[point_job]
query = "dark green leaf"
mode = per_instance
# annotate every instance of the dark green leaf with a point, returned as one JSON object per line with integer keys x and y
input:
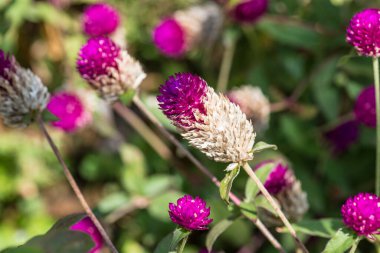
{"x": 47, "y": 116}
{"x": 226, "y": 184}
{"x": 248, "y": 210}
{"x": 217, "y": 230}
{"x": 171, "y": 241}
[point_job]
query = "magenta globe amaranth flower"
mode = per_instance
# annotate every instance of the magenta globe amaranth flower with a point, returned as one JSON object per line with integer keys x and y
{"x": 100, "y": 19}
{"x": 190, "y": 213}
{"x": 363, "y": 32}
{"x": 209, "y": 121}
{"x": 361, "y": 213}
{"x": 169, "y": 37}
{"x": 248, "y": 11}
{"x": 108, "y": 68}
{"x": 343, "y": 136}
{"x": 279, "y": 178}
{"x": 365, "y": 107}
{"x": 70, "y": 110}
{"x": 86, "y": 225}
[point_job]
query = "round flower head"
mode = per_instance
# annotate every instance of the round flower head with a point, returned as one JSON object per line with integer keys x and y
{"x": 86, "y": 225}
{"x": 343, "y": 136}
{"x": 365, "y": 107}
{"x": 110, "y": 70}
{"x": 169, "y": 37}
{"x": 209, "y": 121}
{"x": 253, "y": 103}
{"x": 70, "y": 110}
{"x": 189, "y": 213}
{"x": 248, "y": 11}
{"x": 22, "y": 94}
{"x": 100, "y": 19}
{"x": 361, "y": 213}
{"x": 178, "y": 34}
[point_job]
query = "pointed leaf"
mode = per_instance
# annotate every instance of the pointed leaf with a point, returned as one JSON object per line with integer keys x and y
{"x": 322, "y": 228}
{"x": 226, "y": 184}
{"x": 251, "y": 189}
{"x": 260, "y": 146}
{"x": 340, "y": 242}
{"x": 171, "y": 241}
{"x": 47, "y": 116}
{"x": 248, "y": 210}
{"x": 217, "y": 230}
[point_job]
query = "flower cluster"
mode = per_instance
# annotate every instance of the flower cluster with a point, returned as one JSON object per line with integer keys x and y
{"x": 283, "y": 185}
{"x": 253, "y": 103}
{"x": 86, "y": 225}
{"x": 209, "y": 121}
{"x": 248, "y": 11}
{"x": 365, "y": 107}
{"x": 364, "y": 34}
{"x": 362, "y": 213}
{"x": 70, "y": 110}
{"x": 22, "y": 94}
{"x": 190, "y": 213}
{"x": 178, "y": 34}
{"x": 99, "y": 20}
{"x": 108, "y": 68}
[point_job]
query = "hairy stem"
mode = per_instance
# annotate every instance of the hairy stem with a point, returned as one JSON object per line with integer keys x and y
{"x": 355, "y": 245}
{"x": 377, "y": 91}
{"x": 75, "y": 187}
{"x": 182, "y": 245}
{"x": 202, "y": 168}
{"x": 275, "y": 206}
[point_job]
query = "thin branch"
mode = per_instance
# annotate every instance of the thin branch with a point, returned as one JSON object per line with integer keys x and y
{"x": 275, "y": 206}
{"x": 75, "y": 187}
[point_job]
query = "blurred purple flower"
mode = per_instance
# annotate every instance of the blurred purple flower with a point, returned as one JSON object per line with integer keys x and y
{"x": 100, "y": 19}
{"x": 189, "y": 213}
{"x": 248, "y": 11}
{"x": 365, "y": 107}
{"x": 361, "y": 213}
{"x": 278, "y": 179}
{"x": 87, "y": 226}
{"x": 363, "y": 32}
{"x": 70, "y": 110}
{"x": 181, "y": 96}
{"x": 343, "y": 135}
{"x": 169, "y": 37}
{"x": 7, "y": 63}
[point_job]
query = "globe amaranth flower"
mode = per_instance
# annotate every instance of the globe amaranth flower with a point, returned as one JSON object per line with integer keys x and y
{"x": 363, "y": 32}
{"x": 70, "y": 110}
{"x": 108, "y": 68}
{"x": 286, "y": 189}
{"x": 22, "y": 94}
{"x": 361, "y": 213}
{"x": 247, "y": 11}
{"x": 100, "y": 19}
{"x": 209, "y": 121}
{"x": 343, "y": 136}
{"x": 253, "y": 103}
{"x": 365, "y": 107}
{"x": 190, "y": 213}
{"x": 86, "y": 225}
{"x": 179, "y": 33}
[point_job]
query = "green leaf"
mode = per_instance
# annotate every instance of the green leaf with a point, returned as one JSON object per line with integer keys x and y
{"x": 262, "y": 202}
{"x": 260, "y": 146}
{"x": 322, "y": 228}
{"x": 127, "y": 97}
{"x": 217, "y": 230}
{"x": 248, "y": 210}
{"x": 171, "y": 241}
{"x": 340, "y": 242}
{"x": 251, "y": 189}
{"x": 226, "y": 183}
{"x": 47, "y": 116}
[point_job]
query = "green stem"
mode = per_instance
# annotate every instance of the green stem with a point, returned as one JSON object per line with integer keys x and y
{"x": 228, "y": 56}
{"x": 182, "y": 244}
{"x": 355, "y": 245}
{"x": 377, "y": 90}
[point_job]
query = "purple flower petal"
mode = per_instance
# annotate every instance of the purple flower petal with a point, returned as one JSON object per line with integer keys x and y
{"x": 169, "y": 37}
{"x": 87, "y": 226}
{"x": 365, "y": 107}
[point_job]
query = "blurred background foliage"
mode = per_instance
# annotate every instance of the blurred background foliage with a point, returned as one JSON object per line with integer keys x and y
{"x": 297, "y": 49}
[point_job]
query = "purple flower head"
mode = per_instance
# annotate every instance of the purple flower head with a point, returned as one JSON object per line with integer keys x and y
{"x": 181, "y": 96}
{"x": 7, "y": 63}
{"x": 363, "y": 32}
{"x": 362, "y": 213}
{"x": 170, "y": 38}
{"x": 96, "y": 57}
{"x": 189, "y": 213}
{"x": 86, "y": 225}
{"x": 204, "y": 250}
{"x": 343, "y": 135}
{"x": 70, "y": 110}
{"x": 248, "y": 11}
{"x": 365, "y": 107}
{"x": 100, "y": 19}
{"x": 278, "y": 179}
